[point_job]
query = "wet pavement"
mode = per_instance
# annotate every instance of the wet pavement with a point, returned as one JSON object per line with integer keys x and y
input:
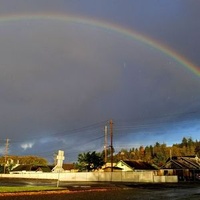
{"x": 104, "y": 191}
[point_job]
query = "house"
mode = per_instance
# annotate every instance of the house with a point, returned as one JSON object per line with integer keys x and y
{"x": 185, "y": 167}
{"x": 4, "y": 169}
{"x": 20, "y": 169}
{"x": 136, "y": 165}
{"x": 108, "y": 164}
{"x": 109, "y": 169}
{"x": 69, "y": 167}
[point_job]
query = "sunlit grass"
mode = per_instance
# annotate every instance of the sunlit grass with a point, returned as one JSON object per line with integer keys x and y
{"x": 25, "y": 189}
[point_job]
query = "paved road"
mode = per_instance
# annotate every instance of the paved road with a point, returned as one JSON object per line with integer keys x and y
{"x": 114, "y": 194}
{"x": 38, "y": 182}
{"x": 111, "y": 191}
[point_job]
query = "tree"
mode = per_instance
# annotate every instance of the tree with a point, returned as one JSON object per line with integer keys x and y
{"x": 148, "y": 152}
{"x": 90, "y": 161}
{"x": 25, "y": 160}
{"x": 184, "y": 142}
{"x": 197, "y": 148}
{"x": 141, "y": 152}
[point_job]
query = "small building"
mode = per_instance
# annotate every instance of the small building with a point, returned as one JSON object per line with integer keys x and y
{"x": 4, "y": 169}
{"x": 20, "y": 169}
{"x": 185, "y": 167}
{"x": 114, "y": 169}
{"x": 136, "y": 165}
{"x": 108, "y": 164}
{"x": 69, "y": 167}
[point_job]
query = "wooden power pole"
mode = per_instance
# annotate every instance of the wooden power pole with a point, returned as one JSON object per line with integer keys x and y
{"x": 111, "y": 144}
{"x": 6, "y": 154}
{"x": 106, "y": 143}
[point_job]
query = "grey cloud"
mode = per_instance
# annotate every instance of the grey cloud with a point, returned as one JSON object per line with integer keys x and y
{"x": 53, "y": 70}
{"x": 56, "y": 76}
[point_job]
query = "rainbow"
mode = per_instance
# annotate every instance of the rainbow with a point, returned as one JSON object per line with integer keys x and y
{"x": 110, "y": 27}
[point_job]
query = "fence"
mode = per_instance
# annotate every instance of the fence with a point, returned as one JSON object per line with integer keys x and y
{"x": 139, "y": 177}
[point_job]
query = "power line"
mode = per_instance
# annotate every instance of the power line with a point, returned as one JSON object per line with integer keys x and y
{"x": 122, "y": 125}
{"x": 166, "y": 118}
{"x": 128, "y": 126}
{"x": 92, "y": 127}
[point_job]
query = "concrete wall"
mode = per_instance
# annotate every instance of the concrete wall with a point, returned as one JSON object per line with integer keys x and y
{"x": 165, "y": 179}
{"x": 139, "y": 177}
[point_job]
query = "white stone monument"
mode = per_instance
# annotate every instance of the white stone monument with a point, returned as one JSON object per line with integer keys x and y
{"x": 60, "y": 157}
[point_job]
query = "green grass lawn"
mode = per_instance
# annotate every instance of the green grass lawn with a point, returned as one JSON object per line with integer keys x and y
{"x": 25, "y": 189}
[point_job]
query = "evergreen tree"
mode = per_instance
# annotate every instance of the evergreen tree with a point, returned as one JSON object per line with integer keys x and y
{"x": 90, "y": 161}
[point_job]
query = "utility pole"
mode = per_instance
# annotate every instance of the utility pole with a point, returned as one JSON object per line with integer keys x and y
{"x": 105, "y": 143}
{"x": 111, "y": 144}
{"x": 6, "y": 154}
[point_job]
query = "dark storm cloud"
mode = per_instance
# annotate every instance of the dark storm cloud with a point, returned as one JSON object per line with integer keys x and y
{"x": 29, "y": 6}
{"x": 49, "y": 73}
{"x": 57, "y": 77}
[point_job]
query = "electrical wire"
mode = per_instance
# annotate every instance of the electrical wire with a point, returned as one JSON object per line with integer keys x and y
{"x": 120, "y": 127}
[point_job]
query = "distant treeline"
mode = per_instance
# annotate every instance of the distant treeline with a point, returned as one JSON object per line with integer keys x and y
{"x": 30, "y": 159}
{"x": 159, "y": 153}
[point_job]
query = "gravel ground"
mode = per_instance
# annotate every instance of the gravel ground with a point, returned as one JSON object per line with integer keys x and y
{"x": 128, "y": 192}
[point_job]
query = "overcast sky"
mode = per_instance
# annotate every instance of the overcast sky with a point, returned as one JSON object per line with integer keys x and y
{"x": 62, "y": 81}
